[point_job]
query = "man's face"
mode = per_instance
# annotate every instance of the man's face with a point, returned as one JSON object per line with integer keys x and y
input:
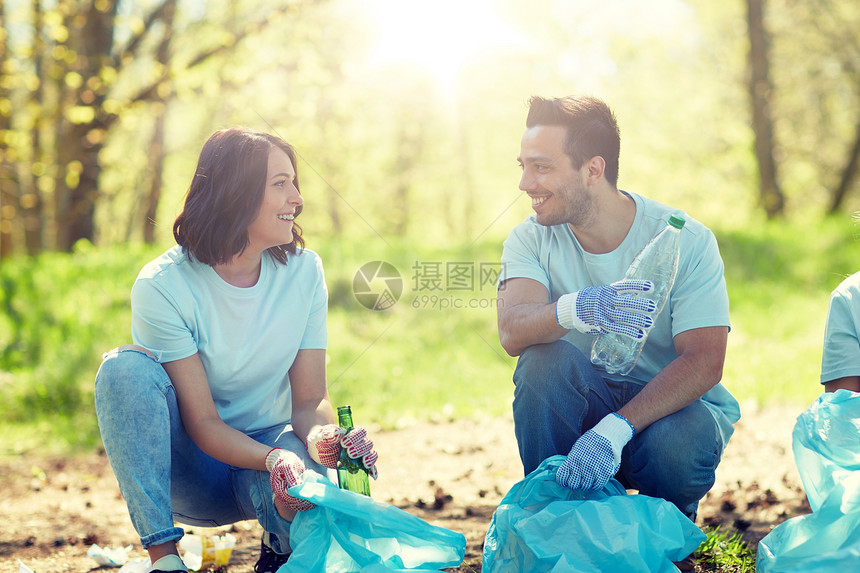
{"x": 558, "y": 192}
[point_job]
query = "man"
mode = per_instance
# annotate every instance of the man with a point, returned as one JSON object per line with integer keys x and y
{"x": 662, "y": 428}
{"x": 840, "y": 360}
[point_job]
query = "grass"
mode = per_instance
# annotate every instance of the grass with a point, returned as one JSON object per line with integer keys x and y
{"x": 779, "y": 280}
{"x": 725, "y": 552}
{"x": 62, "y": 311}
{"x": 434, "y": 355}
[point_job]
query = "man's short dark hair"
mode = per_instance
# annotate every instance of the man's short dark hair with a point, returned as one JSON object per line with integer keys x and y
{"x": 591, "y": 129}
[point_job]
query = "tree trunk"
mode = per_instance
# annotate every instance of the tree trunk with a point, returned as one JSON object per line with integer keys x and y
{"x": 761, "y": 91}
{"x": 82, "y": 198}
{"x": 8, "y": 202}
{"x": 849, "y": 174}
{"x": 156, "y": 149}
{"x": 403, "y": 162}
{"x": 74, "y": 122}
{"x": 94, "y": 43}
{"x": 156, "y": 167}
{"x": 31, "y": 198}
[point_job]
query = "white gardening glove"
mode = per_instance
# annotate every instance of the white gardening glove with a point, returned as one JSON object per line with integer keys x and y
{"x": 603, "y": 309}
{"x": 596, "y": 456}
{"x": 285, "y": 471}
{"x": 325, "y": 443}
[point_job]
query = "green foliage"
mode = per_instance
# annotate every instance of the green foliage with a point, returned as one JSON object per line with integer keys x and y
{"x": 422, "y": 359}
{"x": 59, "y": 313}
{"x": 434, "y": 355}
{"x": 428, "y": 128}
{"x": 816, "y": 94}
{"x": 779, "y": 279}
{"x": 726, "y": 552}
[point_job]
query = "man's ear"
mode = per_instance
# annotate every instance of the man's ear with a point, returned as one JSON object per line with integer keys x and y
{"x": 596, "y": 166}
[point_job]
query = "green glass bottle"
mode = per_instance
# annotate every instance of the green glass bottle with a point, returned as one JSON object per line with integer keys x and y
{"x": 351, "y": 474}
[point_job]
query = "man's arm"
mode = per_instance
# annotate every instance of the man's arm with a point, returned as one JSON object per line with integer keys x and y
{"x": 525, "y": 315}
{"x": 697, "y": 369}
{"x": 845, "y": 383}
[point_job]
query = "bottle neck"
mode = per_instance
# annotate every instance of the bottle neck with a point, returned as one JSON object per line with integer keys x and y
{"x": 344, "y": 417}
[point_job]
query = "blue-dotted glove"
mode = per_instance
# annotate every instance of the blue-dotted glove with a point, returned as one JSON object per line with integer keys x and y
{"x": 596, "y": 456}
{"x": 608, "y": 308}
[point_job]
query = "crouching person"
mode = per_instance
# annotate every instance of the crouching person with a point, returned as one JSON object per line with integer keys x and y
{"x": 662, "y": 428}
{"x": 222, "y": 402}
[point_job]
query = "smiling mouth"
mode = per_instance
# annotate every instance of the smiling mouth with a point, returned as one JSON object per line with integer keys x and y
{"x": 537, "y": 201}
{"x": 289, "y": 217}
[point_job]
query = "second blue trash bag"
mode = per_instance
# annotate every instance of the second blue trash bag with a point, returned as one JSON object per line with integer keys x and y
{"x": 542, "y": 526}
{"x": 826, "y": 443}
{"x": 351, "y": 533}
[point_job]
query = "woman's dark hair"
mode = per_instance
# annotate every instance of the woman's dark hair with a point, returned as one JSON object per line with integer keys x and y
{"x": 591, "y": 129}
{"x": 225, "y": 196}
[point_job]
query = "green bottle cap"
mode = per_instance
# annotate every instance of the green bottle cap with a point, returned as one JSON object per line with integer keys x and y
{"x": 676, "y": 221}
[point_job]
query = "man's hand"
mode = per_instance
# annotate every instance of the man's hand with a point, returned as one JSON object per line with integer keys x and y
{"x": 285, "y": 471}
{"x": 608, "y": 308}
{"x": 596, "y": 456}
{"x": 325, "y": 443}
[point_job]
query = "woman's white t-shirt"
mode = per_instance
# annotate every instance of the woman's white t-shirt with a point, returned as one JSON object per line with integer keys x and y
{"x": 247, "y": 338}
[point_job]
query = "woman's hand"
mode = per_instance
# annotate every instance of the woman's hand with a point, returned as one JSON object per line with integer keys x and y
{"x": 285, "y": 471}
{"x": 325, "y": 444}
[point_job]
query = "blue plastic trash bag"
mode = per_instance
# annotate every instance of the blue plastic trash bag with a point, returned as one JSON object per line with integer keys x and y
{"x": 349, "y": 532}
{"x": 542, "y": 526}
{"x": 826, "y": 443}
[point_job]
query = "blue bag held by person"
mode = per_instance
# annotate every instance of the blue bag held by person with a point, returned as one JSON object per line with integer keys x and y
{"x": 542, "y": 526}
{"x": 348, "y": 532}
{"x": 826, "y": 443}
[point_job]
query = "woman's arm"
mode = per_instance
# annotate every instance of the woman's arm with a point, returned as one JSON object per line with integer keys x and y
{"x": 311, "y": 404}
{"x": 204, "y": 424}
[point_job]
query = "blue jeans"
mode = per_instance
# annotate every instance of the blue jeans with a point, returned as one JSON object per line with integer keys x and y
{"x": 163, "y": 476}
{"x": 559, "y": 395}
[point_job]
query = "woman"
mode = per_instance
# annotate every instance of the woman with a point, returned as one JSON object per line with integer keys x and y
{"x": 840, "y": 362}
{"x": 226, "y": 379}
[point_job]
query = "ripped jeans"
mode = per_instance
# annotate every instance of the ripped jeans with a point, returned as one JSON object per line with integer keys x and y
{"x": 163, "y": 476}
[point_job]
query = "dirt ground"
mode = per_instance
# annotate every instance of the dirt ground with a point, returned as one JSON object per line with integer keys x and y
{"x": 451, "y": 474}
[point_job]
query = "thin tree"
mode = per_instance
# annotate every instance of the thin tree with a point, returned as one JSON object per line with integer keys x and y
{"x": 83, "y": 75}
{"x": 8, "y": 180}
{"x": 156, "y": 148}
{"x": 771, "y": 197}
{"x": 845, "y": 42}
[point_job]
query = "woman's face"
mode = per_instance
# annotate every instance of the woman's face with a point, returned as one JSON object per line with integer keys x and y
{"x": 273, "y": 224}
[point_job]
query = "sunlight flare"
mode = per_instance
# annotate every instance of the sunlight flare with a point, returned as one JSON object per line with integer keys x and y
{"x": 439, "y": 38}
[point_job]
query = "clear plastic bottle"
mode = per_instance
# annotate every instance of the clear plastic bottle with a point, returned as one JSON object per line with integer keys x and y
{"x": 658, "y": 263}
{"x": 351, "y": 474}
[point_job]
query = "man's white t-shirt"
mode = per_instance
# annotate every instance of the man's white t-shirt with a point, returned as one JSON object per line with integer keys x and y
{"x": 553, "y": 256}
{"x": 841, "y": 355}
